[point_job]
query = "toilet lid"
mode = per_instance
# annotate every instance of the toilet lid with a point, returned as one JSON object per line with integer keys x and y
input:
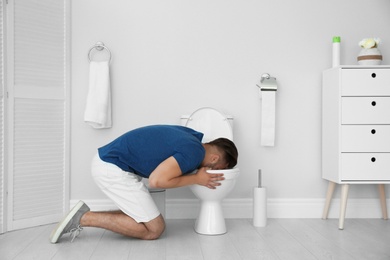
{"x": 212, "y": 123}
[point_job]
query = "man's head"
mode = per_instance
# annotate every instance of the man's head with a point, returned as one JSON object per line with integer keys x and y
{"x": 221, "y": 154}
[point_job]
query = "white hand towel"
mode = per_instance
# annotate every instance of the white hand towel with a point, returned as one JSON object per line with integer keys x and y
{"x": 98, "y": 106}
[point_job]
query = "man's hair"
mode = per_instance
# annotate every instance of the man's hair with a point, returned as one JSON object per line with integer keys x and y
{"x": 229, "y": 150}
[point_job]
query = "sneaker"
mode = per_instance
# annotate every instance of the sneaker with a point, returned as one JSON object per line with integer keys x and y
{"x": 70, "y": 223}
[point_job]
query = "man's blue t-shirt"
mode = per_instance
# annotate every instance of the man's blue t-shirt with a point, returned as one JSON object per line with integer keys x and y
{"x": 141, "y": 150}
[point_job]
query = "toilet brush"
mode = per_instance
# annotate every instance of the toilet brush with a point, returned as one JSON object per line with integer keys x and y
{"x": 259, "y": 204}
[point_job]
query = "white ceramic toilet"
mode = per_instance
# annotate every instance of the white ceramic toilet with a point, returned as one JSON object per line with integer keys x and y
{"x": 213, "y": 124}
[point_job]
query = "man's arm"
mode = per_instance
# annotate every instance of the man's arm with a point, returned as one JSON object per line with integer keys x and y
{"x": 168, "y": 175}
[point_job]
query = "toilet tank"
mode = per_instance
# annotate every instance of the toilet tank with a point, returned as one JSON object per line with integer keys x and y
{"x": 211, "y": 122}
{"x": 209, "y": 136}
{"x": 184, "y": 119}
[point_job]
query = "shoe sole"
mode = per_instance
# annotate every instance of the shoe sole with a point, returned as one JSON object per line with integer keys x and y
{"x": 55, "y": 235}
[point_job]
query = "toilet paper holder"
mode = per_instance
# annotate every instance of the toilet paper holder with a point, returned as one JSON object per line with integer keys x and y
{"x": 267, "y": 83}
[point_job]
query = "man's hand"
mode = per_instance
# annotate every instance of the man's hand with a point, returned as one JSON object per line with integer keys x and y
{"x": 210, "y": 180}
{"x": 168, "y": 175}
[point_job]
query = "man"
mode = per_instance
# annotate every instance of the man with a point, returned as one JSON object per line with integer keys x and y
{"x": 165, "y": 154}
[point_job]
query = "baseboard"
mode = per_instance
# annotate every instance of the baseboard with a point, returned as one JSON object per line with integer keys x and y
{"x": 276, "y": 208}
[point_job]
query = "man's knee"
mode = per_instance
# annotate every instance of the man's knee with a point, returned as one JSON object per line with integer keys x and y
{"x": 155, "y": 228}
{"x": 155, "y": 234}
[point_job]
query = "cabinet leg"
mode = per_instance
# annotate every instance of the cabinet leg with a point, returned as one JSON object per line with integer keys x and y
{"x": 343, "y": 204}
{"x": 382, "y": 196}
{"x": 329, "y": 194}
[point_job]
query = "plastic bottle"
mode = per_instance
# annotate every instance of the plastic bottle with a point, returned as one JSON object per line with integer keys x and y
{"x": 336, "y": 51}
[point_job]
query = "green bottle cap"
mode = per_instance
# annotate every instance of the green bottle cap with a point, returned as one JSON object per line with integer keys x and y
{"x": 336, "y": 39}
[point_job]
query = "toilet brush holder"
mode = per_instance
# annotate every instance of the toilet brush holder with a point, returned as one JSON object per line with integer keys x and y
{"x": 259, "y": 205}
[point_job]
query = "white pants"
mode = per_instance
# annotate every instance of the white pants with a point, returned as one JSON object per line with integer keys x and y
{"x": 125, "y": 189}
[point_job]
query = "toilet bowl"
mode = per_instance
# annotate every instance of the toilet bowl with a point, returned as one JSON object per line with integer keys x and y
{"x": 210, "y": 220}
{"x": 213, "y": 124}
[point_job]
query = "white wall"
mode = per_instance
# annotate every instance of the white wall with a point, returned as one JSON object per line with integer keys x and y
{"x": 172, "y": 57}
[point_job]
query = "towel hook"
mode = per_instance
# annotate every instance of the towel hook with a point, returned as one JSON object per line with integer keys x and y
{"x": 99, "y": 46}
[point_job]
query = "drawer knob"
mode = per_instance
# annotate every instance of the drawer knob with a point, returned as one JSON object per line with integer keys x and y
{"x": 373, "y": 131}
{"x": 373, "y": 159}
{"x": 373, "y": 103}
{"x": 373, "y": 75}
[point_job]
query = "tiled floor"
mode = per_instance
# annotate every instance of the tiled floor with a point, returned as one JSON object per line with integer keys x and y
{"x": 281, "y": 239}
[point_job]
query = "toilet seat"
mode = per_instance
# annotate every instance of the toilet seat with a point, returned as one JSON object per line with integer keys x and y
{"x": 228, "y": 174}
{"x": 212, "y": 123}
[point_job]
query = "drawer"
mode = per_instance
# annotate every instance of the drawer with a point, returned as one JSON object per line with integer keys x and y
{"x": 365, "y": 82}
{"x": 365, "y": 138}
{"x": 365, "y": 110}
{"x": 365, "y": 166}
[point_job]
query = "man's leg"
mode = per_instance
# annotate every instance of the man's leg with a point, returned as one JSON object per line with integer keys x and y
{"x": 138, "y": 215}
{"x": 121, "y": 223}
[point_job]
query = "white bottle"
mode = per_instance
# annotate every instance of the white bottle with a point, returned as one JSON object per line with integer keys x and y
{"x": 336, "y": 52}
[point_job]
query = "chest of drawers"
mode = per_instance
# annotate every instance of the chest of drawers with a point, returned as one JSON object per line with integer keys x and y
{"x": 355, "y": 129}
{"x": 356, "y": 125}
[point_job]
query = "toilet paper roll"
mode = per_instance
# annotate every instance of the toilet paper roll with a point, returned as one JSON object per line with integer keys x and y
{"x": 268, "y": 118}
{"x": 259, "y": 207}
